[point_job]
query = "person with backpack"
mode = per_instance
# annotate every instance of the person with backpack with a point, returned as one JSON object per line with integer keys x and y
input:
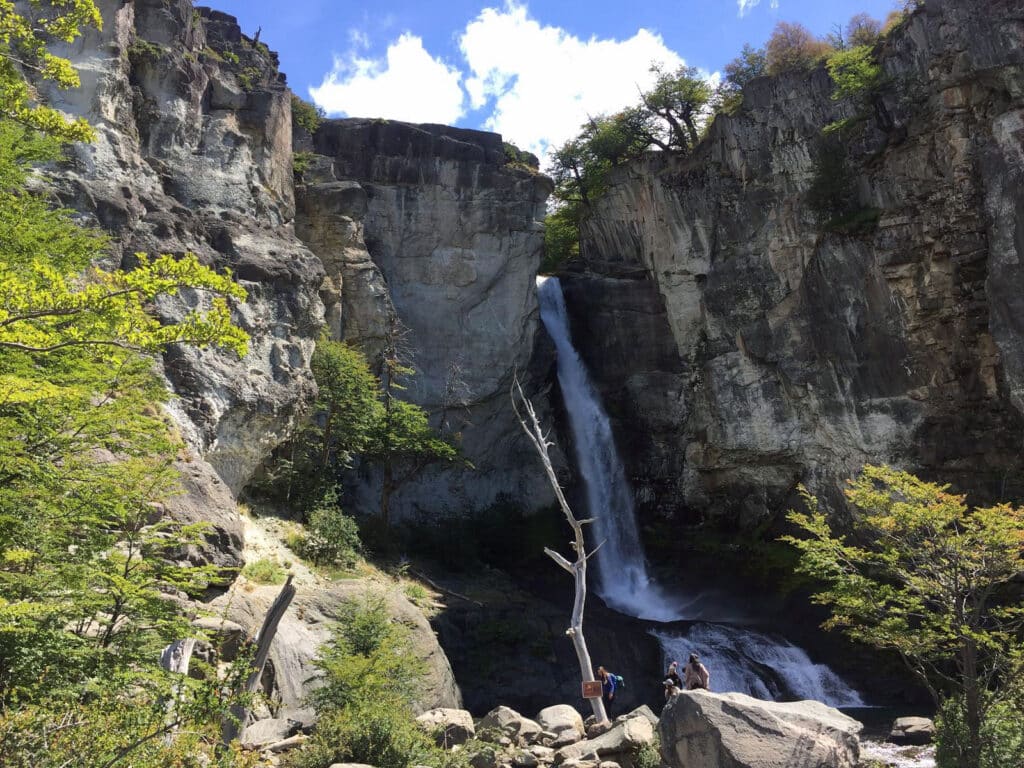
{"x": 609, "y": 683}
{"x": 696, "y": 675}
{"x": 673, "y": 683}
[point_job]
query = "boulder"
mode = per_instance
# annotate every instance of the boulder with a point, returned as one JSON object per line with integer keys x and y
{"x": 263, "y": 733}
{"x": 485, "y": 758}
{"x": 731, "y": 730}
{"x": 449, "y": 726}
{"x": 561, "y": 720}
{"x": 625, "y": 736}
{"x": 912, "y": 731}
{"x": 525, "y": 759}
{"x": 511, "y": 724}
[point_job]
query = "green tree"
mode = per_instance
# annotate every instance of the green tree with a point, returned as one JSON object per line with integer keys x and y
{"x": 679, "y": 99}
{"x": 924, "y": 575}
{"x": 23, "y": 39}
{"x": 369, "y": 676}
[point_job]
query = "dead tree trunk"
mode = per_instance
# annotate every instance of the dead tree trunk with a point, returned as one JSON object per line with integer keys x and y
{"x": 578, "y": 568}
{"x": 232, "y": 725}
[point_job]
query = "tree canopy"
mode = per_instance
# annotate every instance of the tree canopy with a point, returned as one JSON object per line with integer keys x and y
{"x": 923, "y": 574}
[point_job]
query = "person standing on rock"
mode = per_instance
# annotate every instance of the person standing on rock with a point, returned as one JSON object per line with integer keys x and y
{"x": 696, "y": 675}
{"x": 608, "y": 682}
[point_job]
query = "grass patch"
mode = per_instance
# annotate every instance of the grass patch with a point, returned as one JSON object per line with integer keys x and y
{"x": 265, "y": 571}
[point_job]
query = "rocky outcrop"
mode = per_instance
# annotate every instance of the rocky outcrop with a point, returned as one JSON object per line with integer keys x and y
{"x": 308, "y": 623}
{"x": 625, "y": 737}
{"x": 193, "y": 153}
{"x": 730, "y": 730}
{"x": 912, "y": 730}
{"x": 448, "y": 726}
{"x": 432, "y": 240}
{"x": 745, "y": 341}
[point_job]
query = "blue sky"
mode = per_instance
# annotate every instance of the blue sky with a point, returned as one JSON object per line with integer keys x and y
{"x": 531, "y": 70}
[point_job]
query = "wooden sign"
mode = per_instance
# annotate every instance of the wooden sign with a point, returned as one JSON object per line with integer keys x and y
{"x": 591, "y": 689}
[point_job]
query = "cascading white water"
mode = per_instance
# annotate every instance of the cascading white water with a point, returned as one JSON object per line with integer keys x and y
{"x": 623, "y": 581}
{"x": 757, "y": 664}
{"x": 741, "y": 660}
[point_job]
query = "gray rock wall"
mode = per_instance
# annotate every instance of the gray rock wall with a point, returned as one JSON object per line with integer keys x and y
{"x": 429, "y": 236}
{"x": 193, "y": 153}
{"x": 802, "y": 353}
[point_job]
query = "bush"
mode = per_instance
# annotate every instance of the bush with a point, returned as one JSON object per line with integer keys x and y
{"x": 306, "y": 115}
{"x": 264, "y": 571}
{"x": 1002, "y": 737}
{"x": 365, "y": 704}
{"x": 854, "y": 72}
{"x": 792, "y": 46}
{"x": 332, "y": 537}
{"x": 561, "y": 238}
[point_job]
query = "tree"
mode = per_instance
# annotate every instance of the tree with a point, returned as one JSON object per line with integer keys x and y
{"x": 751, "y": 63}
{"x": 862, "y": 29}
{"x": 924, "y": 575}
{"x": 792, "y": 46}
{"x": 402, "y": 440}
{"x": 23, "y": 39}
{"x": 680, "y": 99}
{"x": 578, "y": 567}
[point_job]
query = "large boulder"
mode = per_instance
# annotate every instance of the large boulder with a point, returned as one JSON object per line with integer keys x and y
{"x": 449, "y": 726}
{"x": 912, "y": 731}
{"x": 561, "y": 720}
{"x": 511, "y": 724}
{"x": 731, "y": 730}
{"x": 308, "y": 624}
{"x": 625, "y": 736}
{"x": 263, "y": 733}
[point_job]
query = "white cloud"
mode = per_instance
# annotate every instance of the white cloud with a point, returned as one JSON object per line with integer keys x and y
{"x": 746, "y": 5}
{"x": 408, "y": 84}
{"x": 543, "y": 82}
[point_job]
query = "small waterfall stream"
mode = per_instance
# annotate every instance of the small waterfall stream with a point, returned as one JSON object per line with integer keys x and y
{"x": 740, "y": 659}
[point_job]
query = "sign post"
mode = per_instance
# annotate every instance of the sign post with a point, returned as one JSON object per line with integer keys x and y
{"x": 591, "y": 689}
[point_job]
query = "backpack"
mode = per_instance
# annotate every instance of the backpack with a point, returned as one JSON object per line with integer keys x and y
{"x": 619, "y": 681}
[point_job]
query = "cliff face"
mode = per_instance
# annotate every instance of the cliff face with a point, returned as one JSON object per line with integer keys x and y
{"x": 432, "y": 242}
{"x": 776, "y": 349}
{"x": 194, "y": 154}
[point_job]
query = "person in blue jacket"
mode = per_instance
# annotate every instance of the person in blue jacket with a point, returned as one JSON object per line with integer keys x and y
{"x": 608, "y": 684}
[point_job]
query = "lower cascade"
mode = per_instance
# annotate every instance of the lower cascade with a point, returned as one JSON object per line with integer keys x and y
{"x": 740, "y": 659}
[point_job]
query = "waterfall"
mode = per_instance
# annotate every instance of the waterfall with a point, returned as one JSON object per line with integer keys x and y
{"x": 623, "y": 581}
{"x": 740, "y": 659}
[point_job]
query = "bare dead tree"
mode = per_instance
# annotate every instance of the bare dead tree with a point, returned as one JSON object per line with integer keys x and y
{"x": 232, "y": 725}
{"x": 578, "y": 568}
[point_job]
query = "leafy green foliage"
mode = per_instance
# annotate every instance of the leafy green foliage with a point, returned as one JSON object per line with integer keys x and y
{"x": 854, "y": 72}
{"x": 561, "y": 238}
{"x": 365, "y": 703}
{"x": 792, "y": 47}
{"x": 145, "y": 50}
{"x": 265, "y": 571}
{"x": 1001, "y": 738}
{"x": 520, "y": 158}
{"x": 928, "y": 577}
{"x": 306, "y": 115}
{"x": 302, "y": 162}
{"x": 23, "y": 45}
{"x": 332, "y": 537}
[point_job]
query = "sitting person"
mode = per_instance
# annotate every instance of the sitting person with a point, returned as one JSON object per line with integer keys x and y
{"x": 696, "y": 675}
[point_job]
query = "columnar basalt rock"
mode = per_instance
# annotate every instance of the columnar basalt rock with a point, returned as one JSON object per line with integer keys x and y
{"x": 806, "y": 346}
{"x": 430, "y": 234}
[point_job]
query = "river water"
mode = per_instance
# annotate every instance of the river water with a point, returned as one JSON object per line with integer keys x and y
{"x": 740, "y": 658}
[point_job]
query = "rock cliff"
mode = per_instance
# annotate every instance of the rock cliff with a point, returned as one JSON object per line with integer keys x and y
{"x": 779, "y": 346}
{"x": 432, "y": 240}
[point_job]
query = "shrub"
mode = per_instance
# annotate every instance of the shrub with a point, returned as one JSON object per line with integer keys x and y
{"x": 862, "y": 29}
{"x": 306, "y": 115}
{"x": 365, "y": 704}
{"x": 301, "y": 162}
{"x": 561, "y": 238}
{"x": 144, "y": 50}
{"x": 1002, "y": 737}
{"x": 332, "y": 538}
{"x": 264, "y": 571}
{"x": 854, "y": 72}
{"x": 792, "y": 46}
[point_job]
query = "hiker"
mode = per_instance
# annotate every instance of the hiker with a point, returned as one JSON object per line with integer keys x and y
{"x": 672, "y": 687}
{"x": 609, "y": 682}
{"x": 696, "y": 675}
{"x": 672, "y": 677}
